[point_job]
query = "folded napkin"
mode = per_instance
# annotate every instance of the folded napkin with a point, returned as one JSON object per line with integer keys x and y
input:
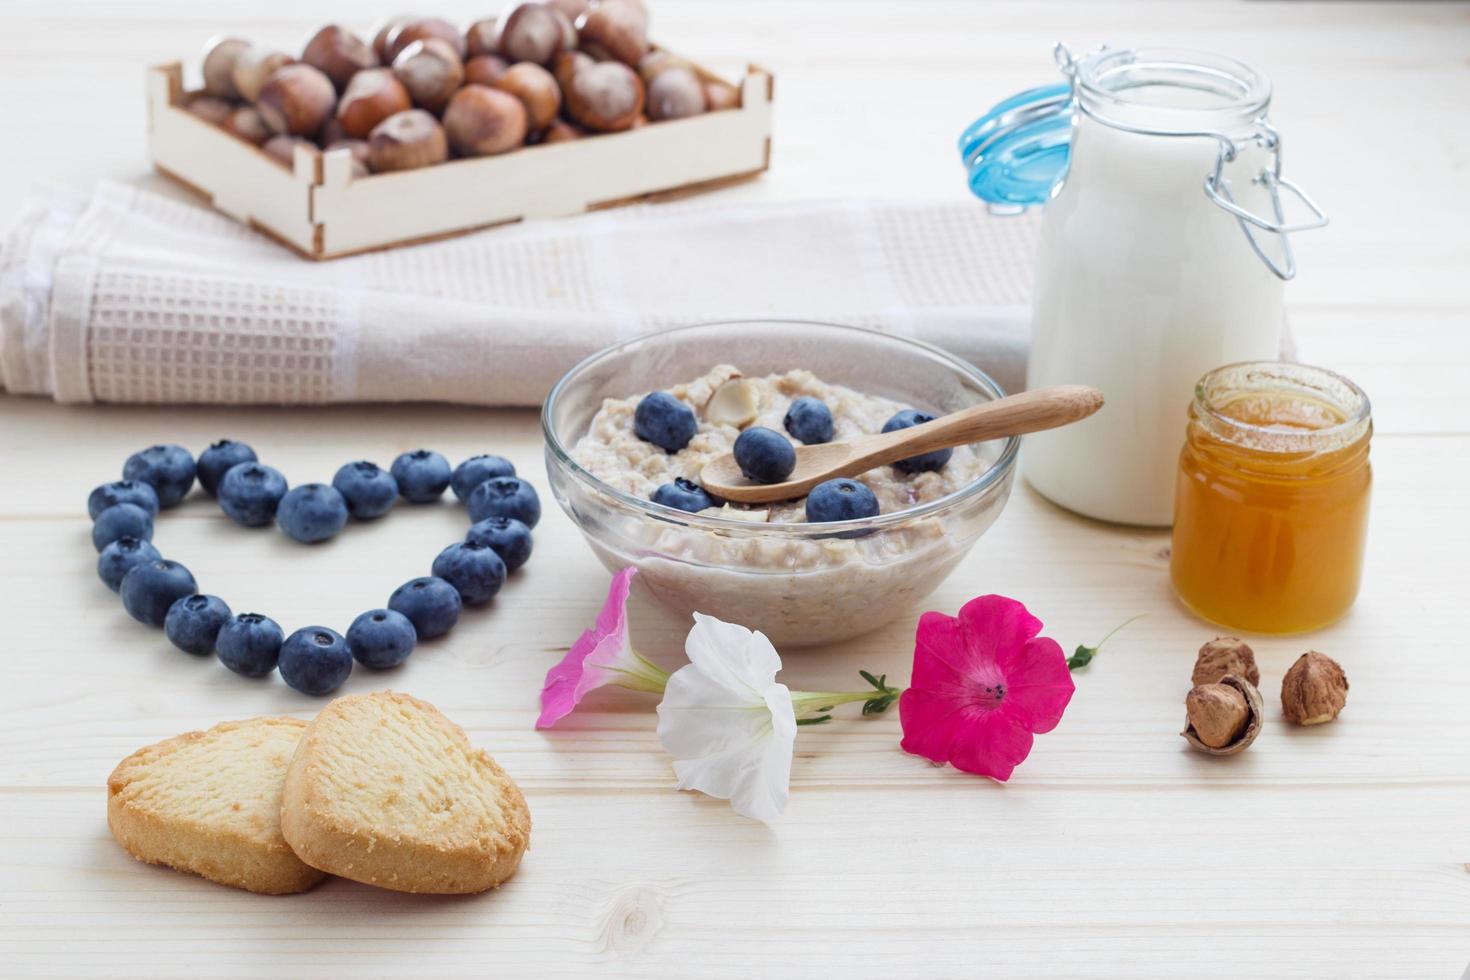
{"x": 128, "y": 296}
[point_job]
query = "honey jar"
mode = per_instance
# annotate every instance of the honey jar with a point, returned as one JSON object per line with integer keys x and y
{"x": 1271, "y": 501}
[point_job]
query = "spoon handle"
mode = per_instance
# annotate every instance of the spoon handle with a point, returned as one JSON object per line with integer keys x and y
{"x": 1014, "y": 415}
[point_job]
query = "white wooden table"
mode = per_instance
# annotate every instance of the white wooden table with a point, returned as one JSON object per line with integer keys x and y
{"x": 1337, "y": 851}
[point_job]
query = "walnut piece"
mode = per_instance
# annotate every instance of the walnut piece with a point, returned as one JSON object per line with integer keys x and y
{"x": 1225, "y": 655}
{"x": 1314, "y": 690}
{"x": 1224, "y": 717}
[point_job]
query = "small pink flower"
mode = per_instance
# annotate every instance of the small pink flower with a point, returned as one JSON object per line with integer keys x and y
{"x": 601, "y": 656}
{"x": 983, "y": 682}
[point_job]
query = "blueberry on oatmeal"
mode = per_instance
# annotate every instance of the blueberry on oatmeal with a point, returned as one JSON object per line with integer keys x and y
{"x": 664, "y": 421}
{"x": 840, "y": 500}
{"x": 908, "y": 418}
{"x": 684, "y": 495}
{"x": 809, "y": 420}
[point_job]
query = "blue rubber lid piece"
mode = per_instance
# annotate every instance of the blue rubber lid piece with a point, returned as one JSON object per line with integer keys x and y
{"x": 1017, "y": 152}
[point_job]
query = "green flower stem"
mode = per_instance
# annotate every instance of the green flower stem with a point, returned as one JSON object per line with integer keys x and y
{"x": 643, "y": 675}
{"x": 812, "y": 702}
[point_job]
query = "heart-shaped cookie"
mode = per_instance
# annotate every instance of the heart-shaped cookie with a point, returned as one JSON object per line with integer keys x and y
{"x": 385, "y": 790}
{"x": 210, "y": 803}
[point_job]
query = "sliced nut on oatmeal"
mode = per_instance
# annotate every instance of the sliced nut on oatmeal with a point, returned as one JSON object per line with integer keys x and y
{"x": 736, "y": 402}
{"x": 730, "y": 513}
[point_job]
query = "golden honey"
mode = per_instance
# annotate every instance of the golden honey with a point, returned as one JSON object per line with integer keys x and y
{"x": 1271, "y": 504}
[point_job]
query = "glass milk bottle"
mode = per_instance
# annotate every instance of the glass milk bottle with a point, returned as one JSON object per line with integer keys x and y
{"x": 1163, "y": 254}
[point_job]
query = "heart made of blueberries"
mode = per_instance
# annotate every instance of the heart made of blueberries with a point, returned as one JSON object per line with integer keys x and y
{"x": 314, "y": 659}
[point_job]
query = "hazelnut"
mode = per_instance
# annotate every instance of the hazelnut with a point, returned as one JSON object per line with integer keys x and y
{"x": 617, "y": 29}
{"x": 431, "y": 72}
{"x": 536, "y": 89}
{"x": 1222, "y": 718}
{"x": 1225, "y": 655}
{"x": 407, "y": 140}
{"x": 1314, "y": 690}
{"x": 606, "y": 96}
{"x": 535, "y": 32}
{"x": 485, "y": 69}
{"x": 385, "y": 32}
{"x": 219, "y": 66}
{"x": 721, "y": 95}
{"x": 675, "y": 93}
{"x": 483, "y": 121}
{"x": 567, "y": 64}
{"x": 359, "y": 151}
{"x": 656, "y": 61}
{"x": 420, "y": 29}
{"x": 571, "y": 9}
{"x": 247, "y": 123}
{"x": 371, "y": 97}
{"x": 214, "y": 111}
{"x": 297, "y": 99}
{"x": 253, "y": 66}
{"x": 282, "y": 149}
{"x": 560, "y": 131}
{"x": 737, "y": 402}
{"x": 339, "y": 54}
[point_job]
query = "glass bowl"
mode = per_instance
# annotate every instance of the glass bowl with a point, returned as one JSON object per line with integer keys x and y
{"x": 800, "y": 584}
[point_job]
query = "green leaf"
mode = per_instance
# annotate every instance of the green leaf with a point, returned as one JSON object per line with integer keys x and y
{"x": 817, "y": 720}
{"x": 1085, "y": 653}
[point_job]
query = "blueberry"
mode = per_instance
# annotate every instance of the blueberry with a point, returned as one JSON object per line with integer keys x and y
{"x": 422, "y": 475}
{"x": 809, "y": 420}
{"x": 505, "y": 496}
{"x": 118, "y": 558}
{"x": 508, "y": 537}
{"x": 686, "y": 495}
{"x": 193, "y": 623}
{"x": 924, "y": 461}
{"x": 216, "y": 461}
{"x": 764, "y": 455}
{"x": 381, "y": 638}
{"x": 431, "y": 604}
{"x": 315, "y": 660}
{"x": 368, "y": 489}
{"x": 151, "y": 587}
{"x": 122, "y": 492}
{"x": 250, "y": 493}
{"x": 312, "y": 512}
{"x": 476, "y": 470}
{"x": 249, "y": 644}
{"x": 168, "y": 469}
{"x": 121, "y": 521}
{"x": 474, "y": 569}
{"x": 663, "y": 420}
{"x": 840, "y": 500}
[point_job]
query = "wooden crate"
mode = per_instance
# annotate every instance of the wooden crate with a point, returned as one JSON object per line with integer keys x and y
{"x": 322, "y": 211}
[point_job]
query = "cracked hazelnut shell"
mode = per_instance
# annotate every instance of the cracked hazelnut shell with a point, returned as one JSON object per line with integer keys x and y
{"x": 535, "y": 32}
{"x": 219, "y": 66}
{"x": 339, "y": 54}
{"x": 536, "y": 89}
{"x": 431, "y": 72}
{"x": 406, "y": 141}
{"x": 1314, "y": 689}
{"x": 371, "y": 97}
{"x": 606, "y": 96}
{"x": 297, "y": 99}
{"x": 1222, "y": 718}
{"x": 485, "y": 69}
{"x": 615, "y": 28}
{"x": 481, "y": 121}
{"x": 675, "y": 93}
{"x": 253, "y": 66}
{"x": 1225, "y": 655}
{"x": 406, "y": 32}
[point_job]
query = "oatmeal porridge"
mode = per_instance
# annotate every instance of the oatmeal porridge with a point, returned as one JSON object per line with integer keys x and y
{"x": 798, "y": 586}
{"x": 613, "y": 452}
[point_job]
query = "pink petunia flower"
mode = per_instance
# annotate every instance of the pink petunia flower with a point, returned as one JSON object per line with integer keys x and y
{"x": 983, "y": 683}
{"x": 601, "y": 656}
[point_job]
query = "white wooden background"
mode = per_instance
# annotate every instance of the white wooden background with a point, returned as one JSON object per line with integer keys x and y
{"x": 1337, "y": 851}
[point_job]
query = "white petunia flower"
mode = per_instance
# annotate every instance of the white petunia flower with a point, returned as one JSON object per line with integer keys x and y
{"x": 730, "y": 727}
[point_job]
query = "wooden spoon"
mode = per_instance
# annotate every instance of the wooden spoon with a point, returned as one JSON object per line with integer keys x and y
{"x": 1030, "y": 411}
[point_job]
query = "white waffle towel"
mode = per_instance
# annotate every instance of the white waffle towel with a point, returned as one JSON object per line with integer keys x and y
{"x": 128, "y": 296}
